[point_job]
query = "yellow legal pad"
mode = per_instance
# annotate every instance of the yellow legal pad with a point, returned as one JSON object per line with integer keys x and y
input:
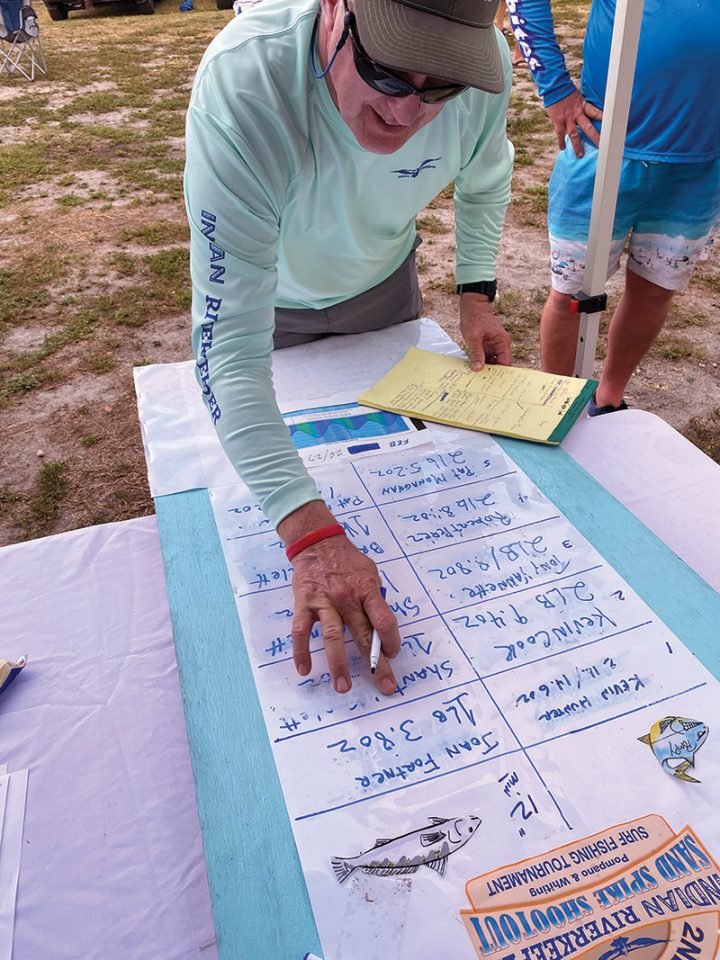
{"x": 511, "y": 401}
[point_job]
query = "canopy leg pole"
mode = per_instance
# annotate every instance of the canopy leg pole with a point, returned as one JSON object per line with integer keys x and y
{"x": 621, "y": 71}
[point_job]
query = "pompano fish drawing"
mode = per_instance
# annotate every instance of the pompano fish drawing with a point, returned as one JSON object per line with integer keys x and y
{"x": 429, "y": 846}
{"x": 675, "y": 741}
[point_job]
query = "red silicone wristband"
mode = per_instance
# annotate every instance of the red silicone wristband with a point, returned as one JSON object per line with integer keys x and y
{"x": 333, "y": 530}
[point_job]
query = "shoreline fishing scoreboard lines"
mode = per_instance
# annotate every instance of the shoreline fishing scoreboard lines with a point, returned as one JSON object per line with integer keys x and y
{"x": 523, "y": 653}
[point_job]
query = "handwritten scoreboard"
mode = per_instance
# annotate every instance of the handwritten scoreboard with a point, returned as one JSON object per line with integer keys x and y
{"x": 528, "y": 673}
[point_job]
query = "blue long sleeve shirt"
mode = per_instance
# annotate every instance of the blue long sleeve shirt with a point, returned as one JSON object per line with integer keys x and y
{"x": 675, "y": 110}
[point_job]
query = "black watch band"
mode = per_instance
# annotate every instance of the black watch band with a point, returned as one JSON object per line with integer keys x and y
{"x": 488, "y": 287}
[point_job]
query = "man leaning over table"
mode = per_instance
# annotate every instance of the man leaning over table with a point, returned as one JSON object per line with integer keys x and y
{"x": 316, "y": 133}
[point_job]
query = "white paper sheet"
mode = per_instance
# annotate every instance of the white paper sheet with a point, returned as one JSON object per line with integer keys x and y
{"x": 10, "y": 855}
{"x": 528, "y": 673}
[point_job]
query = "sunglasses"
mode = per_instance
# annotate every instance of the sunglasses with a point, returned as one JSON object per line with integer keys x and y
{"x": 389, "y": 83}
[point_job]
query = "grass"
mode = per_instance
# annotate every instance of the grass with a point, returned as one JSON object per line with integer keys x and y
{"x": 42, "y": 507}
{"x": 711, "y": 281}
{"x": 26, "y": 279}
{"x": 536, "y": 198}
{"x": 704, "y": 432}
{"x": 98, "y": 361}
{"x": 684, "y": 318}
{"x": 161, "y": 287}
{"x": 520, "y": 315}
{"x": 528, "y": 122}
{"x": 676, "y": 348}
{"x": 81, "y": 327}
{"x": 508, "y": 303}
{"x": 70, "y": 200}
{"x": 445, "y": 284}
{"x": 8, "y": 500}
{"x": 156, "y": 233}
{"x": 523, "y": 156}
{"x": 430, "y": 223}
{"x": 15, "y": 386}
{"x": 445, "y": 194}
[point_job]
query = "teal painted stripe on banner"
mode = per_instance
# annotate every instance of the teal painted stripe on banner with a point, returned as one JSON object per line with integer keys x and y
{"x": 259, "y": 899}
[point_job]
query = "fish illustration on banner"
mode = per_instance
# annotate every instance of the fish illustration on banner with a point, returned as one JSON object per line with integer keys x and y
{"x": 429, "y": 846}
{"x": 675, "y": 741}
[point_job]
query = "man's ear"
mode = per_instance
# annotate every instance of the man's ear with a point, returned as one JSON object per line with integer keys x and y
{"x": 328, "y": 13}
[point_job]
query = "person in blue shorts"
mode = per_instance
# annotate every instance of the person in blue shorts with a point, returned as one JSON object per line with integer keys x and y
{"x": 669, "y": 194}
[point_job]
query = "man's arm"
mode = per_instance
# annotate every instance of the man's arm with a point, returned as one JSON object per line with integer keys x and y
{"x": 234, "y": 217}
{"x": 532, "y": 24}
{"x": 482, "y": 193}
{"x": 338, "y": 586}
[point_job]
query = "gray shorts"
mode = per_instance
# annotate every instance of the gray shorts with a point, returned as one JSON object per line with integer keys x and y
{"x": 395, "y": 300}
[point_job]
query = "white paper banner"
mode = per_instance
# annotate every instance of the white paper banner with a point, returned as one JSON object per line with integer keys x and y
{"x": 528, "y": 673}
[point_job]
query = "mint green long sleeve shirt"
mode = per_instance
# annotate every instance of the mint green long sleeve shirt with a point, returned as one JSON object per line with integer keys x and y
{"x": 286, "y": 209}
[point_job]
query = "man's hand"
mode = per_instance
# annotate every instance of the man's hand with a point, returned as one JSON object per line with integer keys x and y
{"x": 571, "y": 114}
{"x": 484, "y": 336}
{"x": 337, "y": 585}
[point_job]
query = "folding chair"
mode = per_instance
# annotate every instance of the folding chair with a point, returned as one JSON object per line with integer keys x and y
{"x": 20, "y": 47}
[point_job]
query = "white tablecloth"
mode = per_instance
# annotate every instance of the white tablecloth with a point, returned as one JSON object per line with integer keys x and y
{"x": 666, "y": 481}
{"x": 112, "y": 865}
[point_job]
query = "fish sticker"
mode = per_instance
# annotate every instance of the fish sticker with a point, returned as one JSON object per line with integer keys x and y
{"x": 675, "y": 741}
{"x": 429, "y": 846}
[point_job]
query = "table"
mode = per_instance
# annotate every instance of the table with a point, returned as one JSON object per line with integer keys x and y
{"x": 112, "y": 865}
{"x": 665, "y": 481}
{"x": 113, "y": 861}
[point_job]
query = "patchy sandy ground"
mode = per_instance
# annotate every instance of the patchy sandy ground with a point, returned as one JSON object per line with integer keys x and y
{"x": 72, "y": 453}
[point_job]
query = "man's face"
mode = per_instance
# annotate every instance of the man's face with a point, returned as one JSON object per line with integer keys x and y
{"x": 380, "y": 124}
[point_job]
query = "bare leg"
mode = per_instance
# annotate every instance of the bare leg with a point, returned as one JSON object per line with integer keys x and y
{"x": 638, "y": 319}
{"x": 558, "y": 335}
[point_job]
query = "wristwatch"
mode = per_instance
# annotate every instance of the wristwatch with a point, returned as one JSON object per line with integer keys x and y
{"x": 488, "y": 287}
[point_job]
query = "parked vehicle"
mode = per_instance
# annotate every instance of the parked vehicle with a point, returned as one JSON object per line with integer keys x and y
{"x": 59, "y": 9}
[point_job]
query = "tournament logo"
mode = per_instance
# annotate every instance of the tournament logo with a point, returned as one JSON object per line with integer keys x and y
{"x": 637, "y": 888}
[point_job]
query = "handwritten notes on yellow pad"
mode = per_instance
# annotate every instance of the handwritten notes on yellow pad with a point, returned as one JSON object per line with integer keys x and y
{"x": 511, "y": 401}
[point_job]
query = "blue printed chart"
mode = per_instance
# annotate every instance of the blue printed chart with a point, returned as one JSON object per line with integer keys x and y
{"x": 528, "y": 674}
{"x": 341, "y": 431}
